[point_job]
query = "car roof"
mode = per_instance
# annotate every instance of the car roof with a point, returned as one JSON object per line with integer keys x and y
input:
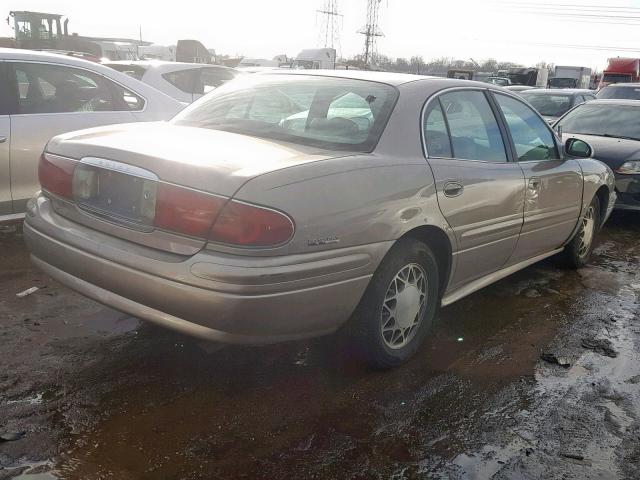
{"x": 630, "y": 85}
{"x": 163, "y": 65}
{"x": 615, "y": 101}
{"x": 390, "y": 78}
{"x": 38, "y": 56}
{"x": 35, "y": 55}
{"x": 552, "y": 91}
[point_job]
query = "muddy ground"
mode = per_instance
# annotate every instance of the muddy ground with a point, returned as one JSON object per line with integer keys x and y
{"x": 90, "y": 393}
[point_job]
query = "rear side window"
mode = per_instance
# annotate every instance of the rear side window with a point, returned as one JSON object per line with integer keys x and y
{"x": 532, "y": 137}
{"x": 435, "y": 131}
{"x": 48, "y": 88}
{"x": 475, "y": 134}
{"x": 184, "y": 80}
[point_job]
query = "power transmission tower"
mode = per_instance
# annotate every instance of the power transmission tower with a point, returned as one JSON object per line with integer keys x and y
{"x": 371, "y": 31}
{"x": 330, "y": 29}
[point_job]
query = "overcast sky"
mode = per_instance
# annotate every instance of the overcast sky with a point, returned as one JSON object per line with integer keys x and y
{"x": 516, "y": 30}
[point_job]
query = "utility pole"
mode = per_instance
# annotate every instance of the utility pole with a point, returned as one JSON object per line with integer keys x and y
{"x": 330, "y": 29}
{"x": 371, "y": 31}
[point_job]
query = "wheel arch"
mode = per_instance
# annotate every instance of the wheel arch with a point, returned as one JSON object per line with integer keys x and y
{"x": 602, "y": 194}
{"x": 439, "y": 242}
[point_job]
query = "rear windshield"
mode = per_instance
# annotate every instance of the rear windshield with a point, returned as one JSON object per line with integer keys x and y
{"x": 629, "y": 93}
{"x": 333, "y": 113}
{"x": 548, "y": 105}
{"x": 603, "y": 120}
{"x": 135, "y": 71}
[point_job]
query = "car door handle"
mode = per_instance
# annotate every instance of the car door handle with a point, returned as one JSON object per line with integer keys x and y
{"x": 453, "y": 189}
{"x": 3, "y": 139}
{"x": 534, "y": 183}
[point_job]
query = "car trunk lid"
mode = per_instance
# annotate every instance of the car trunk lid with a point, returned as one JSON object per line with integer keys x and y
{"x": 163, "y": 185}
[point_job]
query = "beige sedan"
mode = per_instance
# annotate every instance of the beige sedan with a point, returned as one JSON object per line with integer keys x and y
{"x": 290, "y": 205}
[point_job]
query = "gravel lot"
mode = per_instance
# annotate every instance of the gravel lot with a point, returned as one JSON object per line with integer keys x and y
{"x": 90, "y": 393}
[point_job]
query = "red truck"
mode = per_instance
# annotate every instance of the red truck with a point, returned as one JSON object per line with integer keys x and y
{"x": 621, "y": 70}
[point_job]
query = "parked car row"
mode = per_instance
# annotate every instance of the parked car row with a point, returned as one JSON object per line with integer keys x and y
{"x": 293, "y": 204}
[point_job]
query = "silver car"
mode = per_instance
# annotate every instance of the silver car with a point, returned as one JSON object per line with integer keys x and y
{"x": 44, "y": 94}
{"x": 286, "y": 206}
{"x": 185, "y": 82}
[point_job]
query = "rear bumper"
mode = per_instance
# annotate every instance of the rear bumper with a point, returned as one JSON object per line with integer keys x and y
{"x": 230, "y": 299}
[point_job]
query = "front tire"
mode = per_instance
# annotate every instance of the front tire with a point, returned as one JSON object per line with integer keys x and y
{"x": 578, "y": 252}
{"x": 399, "y": 305}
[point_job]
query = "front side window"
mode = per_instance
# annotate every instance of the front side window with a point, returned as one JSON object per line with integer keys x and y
{"x": 475, "y": 134}
{"x": 532, "y": 138}
{"x": 435, "y": 132}
{"x": 622, "y": 121}
{"x": 320, "y": 111}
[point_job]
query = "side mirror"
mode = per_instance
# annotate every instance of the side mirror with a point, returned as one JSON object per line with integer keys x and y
{"x": 574, "y": 147}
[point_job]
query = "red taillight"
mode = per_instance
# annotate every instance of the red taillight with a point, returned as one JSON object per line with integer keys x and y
{"x": 186, "y": 211}
{"x": 56, "y": 175}
{"x": 251, "y": 226}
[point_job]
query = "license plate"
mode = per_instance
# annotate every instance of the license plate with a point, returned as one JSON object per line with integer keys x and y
{"x": 116, "y": 195}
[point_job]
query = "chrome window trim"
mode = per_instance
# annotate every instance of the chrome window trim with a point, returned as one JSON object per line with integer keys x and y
{"x": 554, "y": 137}
{"x": 434, "y": 97}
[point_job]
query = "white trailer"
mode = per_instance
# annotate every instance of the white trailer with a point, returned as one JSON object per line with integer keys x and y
{"x": 571, "y": 77}
{"x": 316, "y": 58}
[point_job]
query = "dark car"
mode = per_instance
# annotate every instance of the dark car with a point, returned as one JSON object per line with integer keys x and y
{"x": 612, "y": 128}
{"x": 626, "y": 91}
{"x": 552, "y": 103}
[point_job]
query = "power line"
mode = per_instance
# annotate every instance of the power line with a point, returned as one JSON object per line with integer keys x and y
{"x": 566, "y": 6}
{"x": 579, "y": 17}
{"x": 569, "y": 46}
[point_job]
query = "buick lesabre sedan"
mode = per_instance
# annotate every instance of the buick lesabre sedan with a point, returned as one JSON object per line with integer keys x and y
{"x": 291, "y": 205}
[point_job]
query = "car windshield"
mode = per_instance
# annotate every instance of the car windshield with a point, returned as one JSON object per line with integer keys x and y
{"x": 628, "y": 93}
{"x": 548, "y": 105}
{"x": 499, "y": 81}
{"x": 563, "y": 82}
{"x": 333, "y": 113}
{"x": 603, "y": 120}
{"x": 616, "y": 78}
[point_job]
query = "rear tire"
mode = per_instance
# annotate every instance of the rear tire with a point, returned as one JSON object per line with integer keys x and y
{"x": 578, "y": 252}
{"x": 399, "y": 305}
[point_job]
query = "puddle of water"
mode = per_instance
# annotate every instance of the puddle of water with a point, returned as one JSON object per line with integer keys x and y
{"x": 35, "y": 471}
{"x": 34, "y": 400}
{"x": 489, "y": 460}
